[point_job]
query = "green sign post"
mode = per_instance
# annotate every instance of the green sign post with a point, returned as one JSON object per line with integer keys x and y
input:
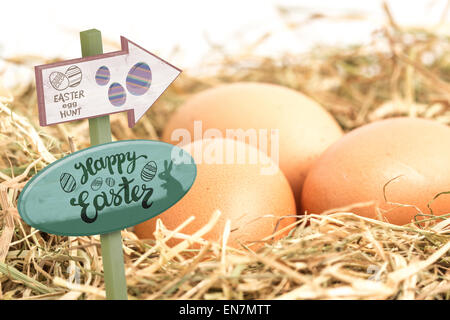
{"x": 107, "y": 187}
{"x": 100, "y": 132}
{"x": 111, "y": 185}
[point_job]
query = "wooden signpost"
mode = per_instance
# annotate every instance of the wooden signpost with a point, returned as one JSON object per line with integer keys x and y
{"x": 111, "y": 185}
{"x": 101, "y": 84}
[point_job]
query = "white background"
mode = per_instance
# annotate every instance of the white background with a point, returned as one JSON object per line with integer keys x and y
{"x": 178, "y": 30}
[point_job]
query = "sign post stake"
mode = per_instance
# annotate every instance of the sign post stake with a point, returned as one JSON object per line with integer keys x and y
{"x": 111, "y": 243}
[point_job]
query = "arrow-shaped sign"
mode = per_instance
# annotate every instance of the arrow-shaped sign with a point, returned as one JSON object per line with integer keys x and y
{"x": 127, "y": 80}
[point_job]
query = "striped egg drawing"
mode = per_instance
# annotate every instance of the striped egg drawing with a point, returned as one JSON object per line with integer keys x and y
{"x": 110, "y": 182}
{"x": 74, "y": 75}
{"x": 96, "y": 184}
{"x": 149, "y": 171}
{"x": 102, "y": 76}
{"x": 68, "y": 183}
{"x": 58, "y": 80}
{"x": 116, "y": 94}
{"x": 139, "y": 79}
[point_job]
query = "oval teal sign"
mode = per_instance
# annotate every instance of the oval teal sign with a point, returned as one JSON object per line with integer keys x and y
{"x": 107, "y": 187}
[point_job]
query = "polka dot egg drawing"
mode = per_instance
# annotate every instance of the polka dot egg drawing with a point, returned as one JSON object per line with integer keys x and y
{"x": 139, "y": 79}
{"x": 102, "y": 76}
{"x": 117, "y": 95}
{"x": 137, "y": 83}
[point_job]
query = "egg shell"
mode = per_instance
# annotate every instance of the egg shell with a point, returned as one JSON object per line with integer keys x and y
{"x": 406, "y": 157}
{"x": 305, "y": 128}
{"x": 253, "y": 202}
{"x": 68, "y": 183}
{"x": 97, "y": 183}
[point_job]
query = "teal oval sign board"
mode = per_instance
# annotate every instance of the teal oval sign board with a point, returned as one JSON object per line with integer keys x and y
{"x": 107, "y": 187}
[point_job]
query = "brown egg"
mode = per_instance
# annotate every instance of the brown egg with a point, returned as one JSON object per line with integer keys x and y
{"x": 229, "y": 179}
{"x": 305, "y": 128}
{"x": 407, "y": 157}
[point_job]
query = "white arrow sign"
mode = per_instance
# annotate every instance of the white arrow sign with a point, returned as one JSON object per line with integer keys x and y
{"x": 127, "y": 80}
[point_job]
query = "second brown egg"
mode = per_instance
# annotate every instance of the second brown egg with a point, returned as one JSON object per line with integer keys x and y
{"x": 285, "y": 124}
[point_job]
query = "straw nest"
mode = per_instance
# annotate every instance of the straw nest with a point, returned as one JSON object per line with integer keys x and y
{"x": 336, "y": 255}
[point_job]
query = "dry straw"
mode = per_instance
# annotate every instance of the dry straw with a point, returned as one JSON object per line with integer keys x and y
{"x": 336, "y": 255}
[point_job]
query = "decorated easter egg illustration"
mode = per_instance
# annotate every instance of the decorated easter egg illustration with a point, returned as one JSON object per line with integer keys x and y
{"x": 74, "y": 76}
{"x": 139, "y": 79}
{"x": 68, "y": 183}
{"x": 97, "y": 183}
{"x": 116, "y": 94}
{"x": 110, "y": 182}
{"x": 102, "y": 76}
{"x": 149, "y": 171}
{"x": 58, "y": 80}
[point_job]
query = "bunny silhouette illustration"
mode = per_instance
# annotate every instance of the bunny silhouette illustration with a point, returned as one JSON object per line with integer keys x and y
{"x": 171, "y": 185}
